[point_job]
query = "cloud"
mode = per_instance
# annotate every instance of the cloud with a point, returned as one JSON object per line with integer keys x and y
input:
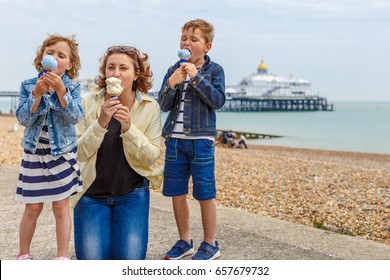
{"x": 317, "y": 40}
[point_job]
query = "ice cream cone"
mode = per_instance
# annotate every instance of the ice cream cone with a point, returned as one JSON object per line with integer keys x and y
{"x": 48, "y": 63}
{"x": 114, "y": 87}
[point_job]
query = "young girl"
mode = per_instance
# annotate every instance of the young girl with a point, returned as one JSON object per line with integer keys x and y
{"x": 50, "y": 106}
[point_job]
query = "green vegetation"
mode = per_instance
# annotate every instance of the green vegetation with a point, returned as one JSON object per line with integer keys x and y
{"x": 357, "y": 230}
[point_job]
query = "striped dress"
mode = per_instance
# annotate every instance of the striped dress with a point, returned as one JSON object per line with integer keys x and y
{"x": 47, "y": 178}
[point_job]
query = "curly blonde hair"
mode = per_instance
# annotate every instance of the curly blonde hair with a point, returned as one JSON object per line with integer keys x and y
{"x": 74, "y": 53}
{"x": 140, "y": 64}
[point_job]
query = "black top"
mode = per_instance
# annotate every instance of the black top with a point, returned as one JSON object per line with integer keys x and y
{"x": 114, "y": 176}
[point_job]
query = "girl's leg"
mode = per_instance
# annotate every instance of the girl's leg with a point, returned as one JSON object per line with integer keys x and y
{"x": 63, "y": 226}
{"x": 130, "y": 225}
{"x": 92, "y": 228}
{"x": 27, "y": 226}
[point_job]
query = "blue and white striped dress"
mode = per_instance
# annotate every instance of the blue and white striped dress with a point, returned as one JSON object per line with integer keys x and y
{"x": 47, "y": 178}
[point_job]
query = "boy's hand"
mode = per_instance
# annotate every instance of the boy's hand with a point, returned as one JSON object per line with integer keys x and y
{"x": 190, "y": 69}
{"x": 178, "y": 76}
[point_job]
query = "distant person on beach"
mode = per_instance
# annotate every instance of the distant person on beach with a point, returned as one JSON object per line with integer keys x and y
{"x": 218, "y": 139}
{"x": 49, "y": 107}
{"x": 241, "y": 141}
{"x": 229, "y": 138}
{"x": 119, "y": 140}
{"x": 191, "y": 92}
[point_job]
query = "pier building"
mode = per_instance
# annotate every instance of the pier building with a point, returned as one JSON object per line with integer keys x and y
{"x": 263, "y": 91}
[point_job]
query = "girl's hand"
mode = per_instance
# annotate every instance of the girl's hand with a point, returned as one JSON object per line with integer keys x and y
{"x": 108, "y": 109}
{"x": 55, "y": 82}
{"x": 41, "y": 87}
{"x": 123, "y": 116}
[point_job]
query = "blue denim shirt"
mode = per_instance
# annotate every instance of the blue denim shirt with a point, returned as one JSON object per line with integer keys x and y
{"x": 60, "y": 122}
{"x": 204, "y": 94}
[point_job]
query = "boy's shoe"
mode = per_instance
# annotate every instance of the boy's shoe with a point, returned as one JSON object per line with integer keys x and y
{"x": 179, "y": 250}
{"x": 207, "y": 251}
{"x": 24, "y": 257}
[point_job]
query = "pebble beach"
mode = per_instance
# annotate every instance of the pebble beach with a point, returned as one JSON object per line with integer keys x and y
{"x": 343, "y": 192}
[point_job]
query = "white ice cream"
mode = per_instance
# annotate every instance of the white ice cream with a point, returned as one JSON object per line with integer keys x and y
{"x": 114, "y": 86}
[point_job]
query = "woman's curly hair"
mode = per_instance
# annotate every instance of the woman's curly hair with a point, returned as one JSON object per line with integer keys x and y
{"x": 140, "y": 64}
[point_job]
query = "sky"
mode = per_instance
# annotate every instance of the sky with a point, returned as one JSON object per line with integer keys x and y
{"x": 341, "y": 46}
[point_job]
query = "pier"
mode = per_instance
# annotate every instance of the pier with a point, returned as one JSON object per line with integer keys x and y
{"x": 247, "y": 104}
{"x": 263, "y": 91}
{"x": 14, "y": 99}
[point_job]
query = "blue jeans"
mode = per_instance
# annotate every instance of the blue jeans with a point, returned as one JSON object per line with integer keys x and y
{"x": 112, "y": 228}
{"x": 185, "y": 158}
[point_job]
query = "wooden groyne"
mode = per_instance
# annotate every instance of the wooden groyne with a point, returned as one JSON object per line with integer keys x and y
{"x": 251, "y": 135}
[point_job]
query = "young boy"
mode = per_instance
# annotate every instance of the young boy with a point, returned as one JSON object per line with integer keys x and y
{"x": 191, "y": 92}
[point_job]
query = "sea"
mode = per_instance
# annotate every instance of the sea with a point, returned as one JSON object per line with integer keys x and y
{"x": 353, "y": 126}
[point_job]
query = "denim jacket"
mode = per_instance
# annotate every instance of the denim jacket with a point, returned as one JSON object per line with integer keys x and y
{"x": 60, "y": 122}
{"x": 204, "y": 94}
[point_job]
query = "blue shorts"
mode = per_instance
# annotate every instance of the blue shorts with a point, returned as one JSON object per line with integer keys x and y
{"x": 185, "y": 158}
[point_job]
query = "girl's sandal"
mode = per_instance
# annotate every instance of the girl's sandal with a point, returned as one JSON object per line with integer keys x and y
{"x": 66, "y": 258}
{"x": 24, "y": 257}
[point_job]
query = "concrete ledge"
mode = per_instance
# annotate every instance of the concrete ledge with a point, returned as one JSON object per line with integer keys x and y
{"x": 290, "y": 239}
{"x": 242, "y": 235}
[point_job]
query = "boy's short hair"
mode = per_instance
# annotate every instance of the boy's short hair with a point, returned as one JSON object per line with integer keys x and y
{"x": 204, "y": 26}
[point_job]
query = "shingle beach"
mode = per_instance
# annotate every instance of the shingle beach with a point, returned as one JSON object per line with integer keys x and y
{"x": 342, "y": 192}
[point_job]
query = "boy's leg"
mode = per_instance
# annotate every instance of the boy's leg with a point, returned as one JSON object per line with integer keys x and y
{"x": 204, "y": 188}
{"x": 63, "y": 226}
{"x": 184, "y": 246}
{"x": 182, "y": 216}
{"x": 209, "y": 220}
{"x": 209, "y": 248}
{"x": 176, "y": 178}
{"x": 27, "y": 226}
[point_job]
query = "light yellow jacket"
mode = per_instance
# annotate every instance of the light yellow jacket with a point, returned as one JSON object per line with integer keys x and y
{"x": 141, "y": 143}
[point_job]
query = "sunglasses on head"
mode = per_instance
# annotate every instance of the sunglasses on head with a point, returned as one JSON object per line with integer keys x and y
{"x": 121, "y": 49}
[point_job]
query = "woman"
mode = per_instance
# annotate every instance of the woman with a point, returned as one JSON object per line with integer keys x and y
{"x": 119, "y": 139}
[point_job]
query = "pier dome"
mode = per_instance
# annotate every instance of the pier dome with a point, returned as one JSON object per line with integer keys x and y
{"x": 262, "y": 68}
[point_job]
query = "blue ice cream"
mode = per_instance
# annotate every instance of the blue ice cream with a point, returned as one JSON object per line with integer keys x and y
{"x": 48, "y": 63}
{"x": 184, "y": 55}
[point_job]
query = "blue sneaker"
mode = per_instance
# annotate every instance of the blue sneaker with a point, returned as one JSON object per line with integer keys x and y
{"x": 180, "y": 250}
{"x": 207, "y": 251}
